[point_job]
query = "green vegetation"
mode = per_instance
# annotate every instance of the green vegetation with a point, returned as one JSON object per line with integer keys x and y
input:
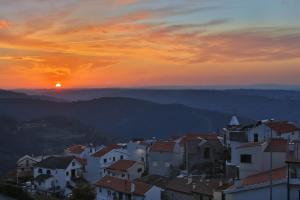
{"x": 14, "y": 192}
{"x": 83, "y": 192}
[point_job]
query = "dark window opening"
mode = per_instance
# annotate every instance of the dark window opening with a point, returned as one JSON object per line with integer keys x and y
{"x": 206, "y": 153}
{"x": 255, "y": 137}
{"x": 246, "y": 158}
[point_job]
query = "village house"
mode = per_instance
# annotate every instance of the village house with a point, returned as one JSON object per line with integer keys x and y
{"x": 125, "y": 169}
{"x": 25, "y": 165}
{"x": 255, "y": 157}
{"x": 110, "y": 188}
{"x": 204, "y": 153}
{"x": 191, "y": 188}
{"x": 285, "y": 185}
{"x": 165, "y": 158}
{"x": 138, "y": 150}
{"x": 81, "y": 151}
{"x": 265, "y": 129}
{"x": 56, "y": 174}
{"x": 101, "y": 159}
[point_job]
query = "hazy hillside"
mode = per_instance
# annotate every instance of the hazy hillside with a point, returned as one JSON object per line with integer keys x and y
{"x": 43, "y": 136}
{"x": 254, "y": 104}
{"x": 122, "y": 117}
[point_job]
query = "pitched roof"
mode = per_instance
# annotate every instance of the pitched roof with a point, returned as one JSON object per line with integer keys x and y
{"x": 249, "y": 145}
{"x": 264, "y": 177}
{"x": 200, "y": 136}
{"x": 163, "y": 146}
{"x": 157, "y": 180}
{"x": 282, "y": 126}
{"x": 277, "y": 145}
{"x": 181, "y": 185}
{"x": 124, "y": 186}
{"x": 82, "y": 161}
{"x": 122, "y": 165}
{"x": 55, "y": 162}
{"x": 105, "y": 150}
{"x": 76, "y": 149}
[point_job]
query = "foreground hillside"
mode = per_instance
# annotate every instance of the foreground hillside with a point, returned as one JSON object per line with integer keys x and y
{"x": 48, "y": 136}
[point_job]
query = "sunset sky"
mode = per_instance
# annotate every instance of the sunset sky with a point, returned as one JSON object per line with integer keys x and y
{"x": 136, "y": 43}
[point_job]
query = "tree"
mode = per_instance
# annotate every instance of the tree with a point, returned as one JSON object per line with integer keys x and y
{"x": 83, "y": 192}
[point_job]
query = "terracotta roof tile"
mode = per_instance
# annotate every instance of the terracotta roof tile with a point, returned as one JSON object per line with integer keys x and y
{"x": 282, "y": 126}
{"x": 263, "y": 177}
{"x": 199, "y": 136}
{"x": 54, "y": 162}
{"x": 277, "y": 145}
{"x": 163, "y": 146}
{"x": 122, "y": 165}
{"x": 105, "y": 150}
{"x": 76, "y": 149}
{"x": 124, "y": 186}
{"x": 181, "y": 185}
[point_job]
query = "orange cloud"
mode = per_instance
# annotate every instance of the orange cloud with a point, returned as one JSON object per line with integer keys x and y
{"x": 3, "y": 24}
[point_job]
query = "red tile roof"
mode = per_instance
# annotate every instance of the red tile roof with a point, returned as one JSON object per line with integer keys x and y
{"x": 282, "y": 126}
{"x": 277, "y": 145}
{"x": 199, "y": 136}
{"x": 264, "y": 177}
{"x": 76, "y": 149}
{"x": 124, "y": 186}
{"x": 122, "y": 165}
{"x": 249, "y": 145}
{"x": 106, "y": 150}
{"x": 163, "y": 146}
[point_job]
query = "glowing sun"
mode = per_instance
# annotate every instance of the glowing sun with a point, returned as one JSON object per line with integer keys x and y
{"x": 58, "y": 85}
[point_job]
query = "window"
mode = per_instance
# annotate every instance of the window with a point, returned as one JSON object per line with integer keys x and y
{"x": 27, "y": 163}
{"x": 49, "y": 172}
{"x": 143, "y": 159}
{"x": 121, "y": 157}
{"x": 105, "y": 160}
{"x": 255, "y": 137}
{"x": 90, "y": 150}
{"x": 100, "y": 189}
{"x": 139, "y": 170}
{"x": 67, "y": 173}
{"x": 154, "y": 163}
{"x": 245, "y": 158}
{"x": 73, "y": 163}
{"x": 206, "y": 153}
{"x": 123, "y": 175}
{"x": 40, "y": 171}
{"x": 108, "y": 193}
{"x": 114, "y": 159}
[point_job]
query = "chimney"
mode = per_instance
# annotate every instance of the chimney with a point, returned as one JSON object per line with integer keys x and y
{"x": 132, "y": 188}
{"x": 194, "y": 186}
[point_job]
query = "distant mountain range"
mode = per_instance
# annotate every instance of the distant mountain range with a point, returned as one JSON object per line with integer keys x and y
{"x": 120, "y": 116}
{"x": 253, "y": 104}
